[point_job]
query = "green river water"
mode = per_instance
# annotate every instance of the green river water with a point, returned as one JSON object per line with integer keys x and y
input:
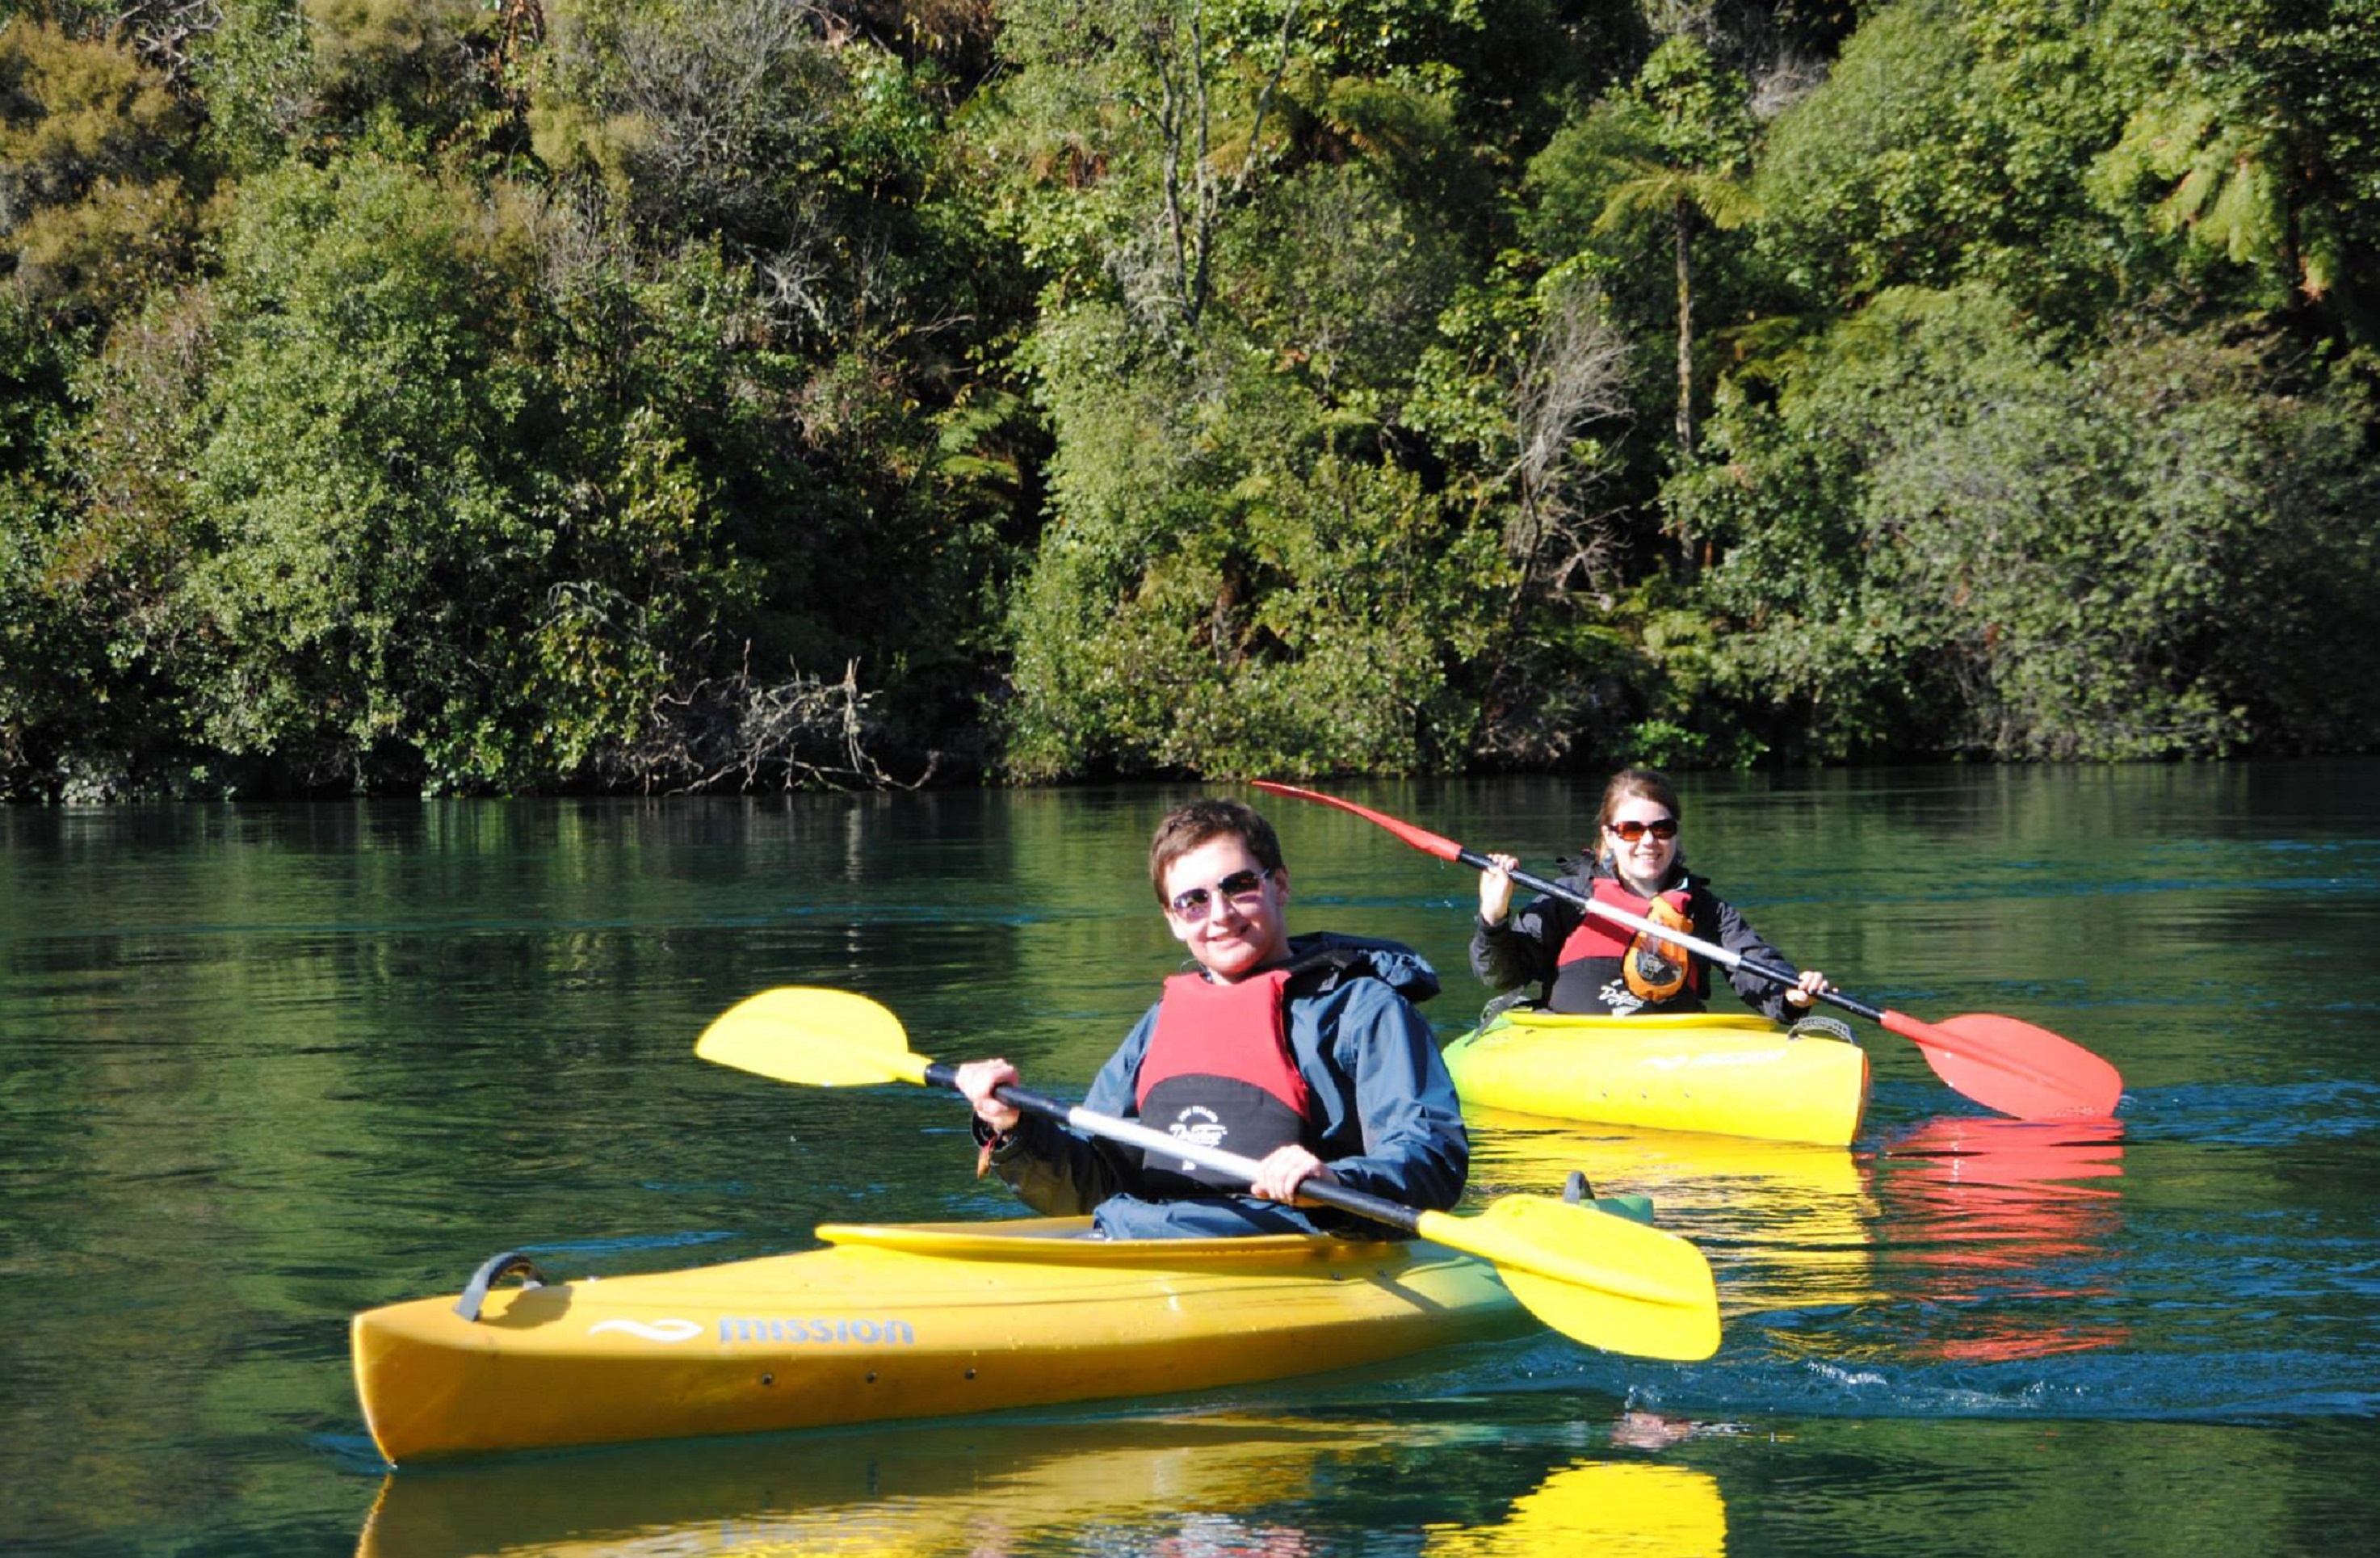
{"x": 263, "y": 1066}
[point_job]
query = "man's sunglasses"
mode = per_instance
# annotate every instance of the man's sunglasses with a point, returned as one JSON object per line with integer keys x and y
{"x": 1662, "y": 828}
{"x": 1241, "y": 887}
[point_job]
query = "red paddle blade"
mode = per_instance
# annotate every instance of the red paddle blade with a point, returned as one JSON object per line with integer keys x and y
{"x": 1420, "y": 838}
{"x": 2013, "y": 1066}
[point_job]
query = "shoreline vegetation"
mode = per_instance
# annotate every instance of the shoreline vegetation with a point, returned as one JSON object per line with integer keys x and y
{"x": 511, "y": 397}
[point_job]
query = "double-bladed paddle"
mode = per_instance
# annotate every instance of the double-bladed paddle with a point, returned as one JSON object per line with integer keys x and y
{"x": 1999, "y": 1061}
{"x": 1605, "y": 1280}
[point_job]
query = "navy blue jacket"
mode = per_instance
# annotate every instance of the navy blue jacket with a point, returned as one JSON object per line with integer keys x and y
{"x": 1384, "y": 1115}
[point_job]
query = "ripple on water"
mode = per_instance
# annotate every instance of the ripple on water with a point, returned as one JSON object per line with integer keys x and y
{"x": 2262, "y": 1115}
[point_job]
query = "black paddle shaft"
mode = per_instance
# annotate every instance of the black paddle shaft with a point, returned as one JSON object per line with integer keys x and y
{"x": 1477, "y": 861}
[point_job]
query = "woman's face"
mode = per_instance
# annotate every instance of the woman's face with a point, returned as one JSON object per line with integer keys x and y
{"x": 1644, "y": 857}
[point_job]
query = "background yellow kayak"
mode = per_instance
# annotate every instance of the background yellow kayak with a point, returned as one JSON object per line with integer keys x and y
{"x": 1728, "y": 1076}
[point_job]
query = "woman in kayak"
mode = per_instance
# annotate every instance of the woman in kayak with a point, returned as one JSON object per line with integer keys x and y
{"x": 1580, "y": 962}
{"x": 1303, "y": 1052}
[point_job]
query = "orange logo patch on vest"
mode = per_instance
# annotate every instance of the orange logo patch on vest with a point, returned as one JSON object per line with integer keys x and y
{"x": 1657, "y": 969}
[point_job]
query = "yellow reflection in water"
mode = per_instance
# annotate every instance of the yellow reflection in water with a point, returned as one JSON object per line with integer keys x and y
{"x": 1190, "y": 1484}
{"x": 1631, "y": 1507}
{"x": 1784, "y": 1225}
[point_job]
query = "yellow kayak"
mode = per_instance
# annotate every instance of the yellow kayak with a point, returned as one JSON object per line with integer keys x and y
{"x": 919, "y": 1321}
{"x": 1727, "y": 1076}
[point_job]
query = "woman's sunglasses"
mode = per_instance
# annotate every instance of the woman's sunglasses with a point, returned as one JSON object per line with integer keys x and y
{"x": 1662, "y": 828}
{"x": 1241, "y": 887}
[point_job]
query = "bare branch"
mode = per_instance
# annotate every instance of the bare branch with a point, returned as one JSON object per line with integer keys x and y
{"x": 800, "y": 733}
{"x": 1577, "y": 374}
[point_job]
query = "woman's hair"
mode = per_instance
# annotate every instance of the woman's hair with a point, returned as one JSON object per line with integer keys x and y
{"x": 1647, "y": 784}
{"x": 1188, "y": 826}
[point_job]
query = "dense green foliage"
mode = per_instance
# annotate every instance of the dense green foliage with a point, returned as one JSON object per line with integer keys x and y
{"x": 449, "y": 395}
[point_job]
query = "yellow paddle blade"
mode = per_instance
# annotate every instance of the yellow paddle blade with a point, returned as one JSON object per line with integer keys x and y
{"x": 818, "y": 1038}
{"x": 1610, "y": 1282}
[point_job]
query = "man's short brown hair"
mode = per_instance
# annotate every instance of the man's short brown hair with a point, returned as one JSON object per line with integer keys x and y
{"x": 1188, "y": 826}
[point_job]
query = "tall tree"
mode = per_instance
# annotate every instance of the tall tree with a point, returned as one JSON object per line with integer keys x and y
{"x": 1674, "y": 147}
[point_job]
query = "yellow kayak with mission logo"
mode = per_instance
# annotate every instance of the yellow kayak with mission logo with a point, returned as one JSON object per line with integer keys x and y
{"x": 917, "y": 1320}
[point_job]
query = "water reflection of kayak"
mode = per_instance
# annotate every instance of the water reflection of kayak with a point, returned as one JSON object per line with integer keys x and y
{"x": 993, "y": 1488}
{"x": 1727, "y": 1076}
{"x": 1785, "y": 1224}
{"x": 891, "y": 1322}
{"x": 925, "y": 1489}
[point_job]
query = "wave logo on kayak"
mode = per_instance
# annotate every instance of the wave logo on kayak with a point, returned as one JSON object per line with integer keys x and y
{"x": 1200, "y": 1126}
{"x": 656, "y": 1331}
{"x": 819, "y": 1328}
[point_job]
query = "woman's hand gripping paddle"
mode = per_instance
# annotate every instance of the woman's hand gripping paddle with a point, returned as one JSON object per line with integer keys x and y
{"x": 1604, "y": 1280}
{"x": 1999, "y": 1061}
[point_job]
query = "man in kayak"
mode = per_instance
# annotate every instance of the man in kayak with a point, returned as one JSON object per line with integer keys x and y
{"x": 1304, "y": 1052}
{"x": 1583, "y": 963}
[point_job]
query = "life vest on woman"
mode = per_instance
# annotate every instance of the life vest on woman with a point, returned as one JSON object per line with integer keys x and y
{"x": 1607, "y": 967}
{"x": 1218, "y": 1072}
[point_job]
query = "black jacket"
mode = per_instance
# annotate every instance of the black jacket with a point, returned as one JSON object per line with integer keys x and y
{"x": 1525, "y": 949}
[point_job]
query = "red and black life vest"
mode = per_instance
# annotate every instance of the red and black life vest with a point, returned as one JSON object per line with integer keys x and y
{"x": 1218, "y": 1072}
{"x": 1605, "y": 966}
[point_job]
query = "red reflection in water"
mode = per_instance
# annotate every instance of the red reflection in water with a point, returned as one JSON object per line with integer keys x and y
{"x": 1977, "y": 1209}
